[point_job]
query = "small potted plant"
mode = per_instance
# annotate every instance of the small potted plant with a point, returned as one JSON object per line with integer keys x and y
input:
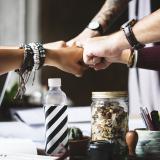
{"x": 78, "y": 144}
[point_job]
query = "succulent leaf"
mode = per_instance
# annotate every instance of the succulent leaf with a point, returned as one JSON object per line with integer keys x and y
{"x": 74, "y": 133}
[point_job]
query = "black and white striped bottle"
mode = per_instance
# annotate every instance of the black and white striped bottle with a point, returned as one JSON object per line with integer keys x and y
{"x": 55, "y": 108}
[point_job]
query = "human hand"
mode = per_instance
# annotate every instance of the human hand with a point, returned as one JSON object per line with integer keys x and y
{"x": 68, "y": 59}
{"x": 71, "y": 60}
{"x": 100, "y": 52}
{"x": 81, "y": 38}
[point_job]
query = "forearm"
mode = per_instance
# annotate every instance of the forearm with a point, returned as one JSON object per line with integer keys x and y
{"x": 52, "y": 57}
{"x": 109, "y": 11}
{"x": 149, "y": 58}
{"x": 10, "y": 58}
{"x": 105, "y": 17}
{"x": 146, "y": 31}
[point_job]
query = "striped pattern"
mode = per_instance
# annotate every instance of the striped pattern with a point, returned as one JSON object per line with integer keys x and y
{"x": 56, "y": 128}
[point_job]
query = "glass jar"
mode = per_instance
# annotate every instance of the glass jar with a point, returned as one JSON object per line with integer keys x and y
{"x": 110, "y": 118}
{"x": 100, "y": 150}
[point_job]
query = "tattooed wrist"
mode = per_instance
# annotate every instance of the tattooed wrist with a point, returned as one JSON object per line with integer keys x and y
{"x": 110, "y": 10}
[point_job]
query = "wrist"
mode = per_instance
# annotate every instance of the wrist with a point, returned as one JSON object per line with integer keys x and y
{"x": 121, "y": 41}
{"x": 130, "y": 36}
{"x": 118, "y": 42}
{"x": 51, "y": 56}
{"x": 91, "y": 33}
{"x": 21, "y": 57}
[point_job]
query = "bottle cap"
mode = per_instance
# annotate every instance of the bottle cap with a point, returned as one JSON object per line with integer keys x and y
{"x": 54, "y": 82}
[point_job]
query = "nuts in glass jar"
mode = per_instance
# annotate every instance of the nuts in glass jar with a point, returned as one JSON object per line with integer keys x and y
{"x": 110, "y": 117}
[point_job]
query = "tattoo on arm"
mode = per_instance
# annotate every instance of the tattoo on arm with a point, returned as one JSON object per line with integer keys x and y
{"x": 109, "y": 11}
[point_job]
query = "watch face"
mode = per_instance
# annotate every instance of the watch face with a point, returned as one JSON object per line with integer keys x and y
{"x": 93, "y": 25}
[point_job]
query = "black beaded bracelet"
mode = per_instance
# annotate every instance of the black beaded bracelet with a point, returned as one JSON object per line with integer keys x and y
{"x": 34, "y": 57}
{"x": 25, "y": 70}
{"x": 42, "y": 54}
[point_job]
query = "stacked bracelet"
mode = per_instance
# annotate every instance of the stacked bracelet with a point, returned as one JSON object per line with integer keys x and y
{"x": 34, "y": 57}
{"x": 39, "y": 55}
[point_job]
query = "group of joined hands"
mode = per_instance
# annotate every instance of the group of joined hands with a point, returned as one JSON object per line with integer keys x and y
{"x": 90, "y": 49}
{"x": 78, "y": 54}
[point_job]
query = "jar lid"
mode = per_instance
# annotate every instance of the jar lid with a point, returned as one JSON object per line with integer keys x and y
{"x": 114, "y": 94}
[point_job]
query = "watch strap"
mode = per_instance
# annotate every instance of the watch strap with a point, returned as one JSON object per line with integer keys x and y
{"x": 132, "y": 39}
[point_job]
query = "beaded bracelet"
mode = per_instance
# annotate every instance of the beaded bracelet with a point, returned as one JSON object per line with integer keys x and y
{"x": 39, "y": 54}
{"x": 34, "y": 57}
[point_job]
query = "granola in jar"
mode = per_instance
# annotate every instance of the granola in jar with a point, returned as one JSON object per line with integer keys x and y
{"x": 110, "y": 117}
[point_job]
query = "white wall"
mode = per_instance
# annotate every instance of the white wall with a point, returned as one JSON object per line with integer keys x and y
{"x": 19, "y": 22}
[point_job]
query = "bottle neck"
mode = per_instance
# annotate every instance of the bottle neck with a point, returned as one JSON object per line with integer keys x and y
{"x": 55, "y": 88}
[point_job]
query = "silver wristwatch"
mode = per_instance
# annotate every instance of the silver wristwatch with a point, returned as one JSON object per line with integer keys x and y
{"x": 96, "y": 26}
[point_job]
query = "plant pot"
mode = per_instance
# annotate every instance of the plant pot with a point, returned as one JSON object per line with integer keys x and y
{"x": 79, "y": 147}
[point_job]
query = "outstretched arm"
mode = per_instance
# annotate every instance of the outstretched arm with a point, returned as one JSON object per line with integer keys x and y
{"x": 107, "y": 15}
{"x": 57, "y": 55}
{"x": 110, "y": 11}
{"x": 146, "y": 31}
{"x": 10, "y": 58}
{"x": 111, "y": 47}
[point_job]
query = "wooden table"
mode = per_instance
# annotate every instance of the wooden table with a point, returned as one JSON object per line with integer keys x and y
{"x": 148, "y": 157}
{"x": 128, "y": 158}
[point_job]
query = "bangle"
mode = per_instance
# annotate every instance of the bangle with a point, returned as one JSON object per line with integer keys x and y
{"x": 135, "y": 58}
{"x": 132, "y": 61}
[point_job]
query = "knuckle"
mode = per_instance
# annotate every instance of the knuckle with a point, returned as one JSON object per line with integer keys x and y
{"x": 79, "y": 72}
{"x": 61, "y": 43}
